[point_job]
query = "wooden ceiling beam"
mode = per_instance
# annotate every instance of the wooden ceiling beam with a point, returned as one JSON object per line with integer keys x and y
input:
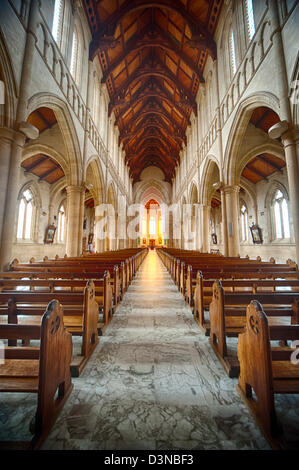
{"x": 254, "y": 170}
{"x": 264, "y": 115}
{"x": 150, "y": 70}
{"x": 139, "y": 42}
{"x": 171, "y": 103}
{"x": 35, "y": 164}
{"x": 152, "y": 140}
{"x": 48, "y": 173}
{"x": 201, "y": 37}
{"x": 269, "y": 162}
{"x": 176, "y": 140}
{"x": 153, "y": 150}
{"x": 177, "y": 135}
{"x": 154, "y": 108}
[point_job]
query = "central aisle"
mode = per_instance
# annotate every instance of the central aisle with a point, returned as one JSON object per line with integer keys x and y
{"x": 153, "y": 382}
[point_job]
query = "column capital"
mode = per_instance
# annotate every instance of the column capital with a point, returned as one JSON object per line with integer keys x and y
{"x": 229, "y": 189}
{"x": 11, "y": 135}
{"x": 72, "y": 188}
{"x": 290, "y": 137}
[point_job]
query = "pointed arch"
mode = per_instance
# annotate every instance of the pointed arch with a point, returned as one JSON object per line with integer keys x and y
{"x": 238, "y": 129}
{"x": 94, "y": 179}
{"x": 66, "y": 125}
{"x": 210, "y": 175}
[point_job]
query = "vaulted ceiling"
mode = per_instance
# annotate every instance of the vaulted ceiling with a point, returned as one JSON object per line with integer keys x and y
{"x": 152, "y": 55}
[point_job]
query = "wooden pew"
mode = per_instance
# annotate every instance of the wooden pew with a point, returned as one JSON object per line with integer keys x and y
{"x": 62, "y": 281}
{"x": 44, "y": 370}
{"x": 228, "y": 317}
{"x": 79, "y": 270}
{"x": 185, "y": 265}
{"x": 121, "y": 264}
{"x": 203, "y": 290}
{"x": 81, "y": 315}
{"x": 187, "y": 280}
{"x": 266, "y": 370}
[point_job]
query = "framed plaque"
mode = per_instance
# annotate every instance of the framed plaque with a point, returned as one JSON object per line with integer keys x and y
{"x": 50, "y": 233}
{"x": 214, "y": 238}
{"x": 256, "y": 234}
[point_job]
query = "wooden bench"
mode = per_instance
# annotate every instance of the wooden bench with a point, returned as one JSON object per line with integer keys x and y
{"x": 81, "y": 315}
{"x": 184, "y": 266}
{"x": 78, "y": 270}
{"x": 187, "y": 279}
{"x": 121, "y": 264}
{"x": 266, "y": 370}
{"x": 203, "y": 290}
{"x": 62, "y": 282}
{"x": 44, "y": 370}
{"x": 235, "y": 273}
{"x": 228, "y": 318}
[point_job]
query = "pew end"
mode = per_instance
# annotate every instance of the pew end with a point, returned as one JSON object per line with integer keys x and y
{"x": 217, "y": 332}
{"x": 198, "y": 310}
{"x": 266, "y": 370}
{"x": 44, "y": 370}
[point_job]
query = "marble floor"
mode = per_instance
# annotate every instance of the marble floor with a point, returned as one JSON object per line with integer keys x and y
{"x": 152, "y": 383}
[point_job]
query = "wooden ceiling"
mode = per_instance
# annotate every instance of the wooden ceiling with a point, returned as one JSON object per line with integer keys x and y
{"x": 261, "y": 167}
{"x": 152, "y": 55}
{"x": 263, "y": 118}
{"x": 44, "y": 167}
{"x": 42, "y": 119}
{"x": 264, "y": 165}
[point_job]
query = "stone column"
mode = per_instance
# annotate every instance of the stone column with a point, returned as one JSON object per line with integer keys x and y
{"x": 204, "y": 215}
{"x": 99, "y": 243}
{"x": 9, "y": 214}
{"x": 198, "y": 239}
{"x": 74, "y": 194}
{"x": 291, "y": 155}
{"x": 6, "y": 140}
{"x": 224, "y": 223}
{"x": 231, "y": 194}
{"x": 81, "y": 219}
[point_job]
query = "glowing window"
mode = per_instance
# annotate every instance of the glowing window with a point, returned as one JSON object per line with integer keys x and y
{"x": 74, "y": 56}
{"x": 250, "y": 19}
{"x": 232, "y": 52}
{"x": 144, "y": 226}
{"x": 152, "y": 226}
{"x": 244, "y": 223}
{"x": 281, "y": 215}
{"x": 57, "y": 21}
{"x": 25, "y": 216}
{"x": 61, "y": 224}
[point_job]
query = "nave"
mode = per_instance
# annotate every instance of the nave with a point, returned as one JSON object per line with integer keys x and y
{"x": 153, "y": 382}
